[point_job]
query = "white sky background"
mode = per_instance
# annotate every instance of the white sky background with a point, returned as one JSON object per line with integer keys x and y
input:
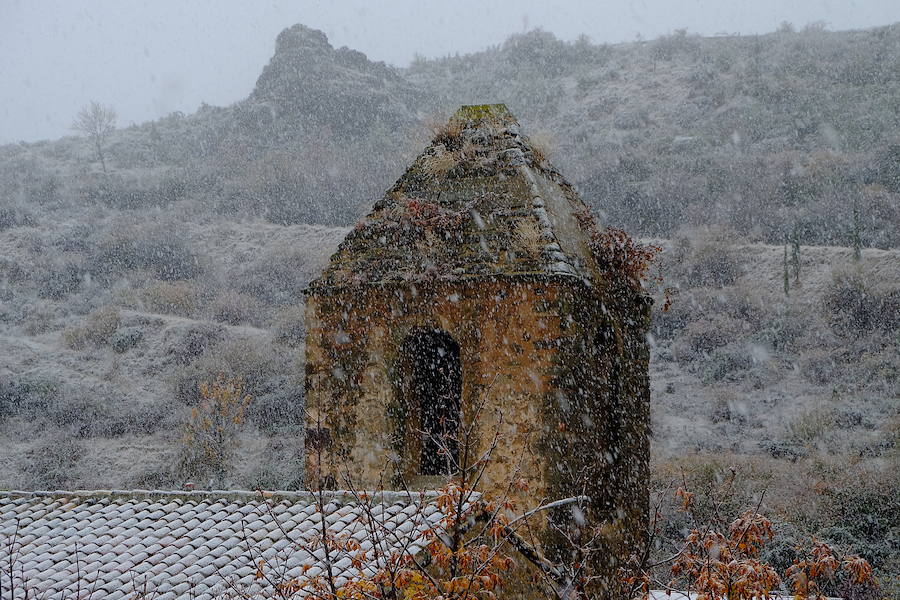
{"x": 151, "y": 57}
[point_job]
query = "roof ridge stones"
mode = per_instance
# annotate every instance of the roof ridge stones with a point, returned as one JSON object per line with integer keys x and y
{"x": 559, "y": 263}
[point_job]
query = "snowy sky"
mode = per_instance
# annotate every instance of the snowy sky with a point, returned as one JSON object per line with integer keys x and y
{"x": 148, "y": 58}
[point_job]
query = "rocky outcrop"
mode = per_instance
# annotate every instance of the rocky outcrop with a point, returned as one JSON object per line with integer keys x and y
{"x": 308, "y": 83}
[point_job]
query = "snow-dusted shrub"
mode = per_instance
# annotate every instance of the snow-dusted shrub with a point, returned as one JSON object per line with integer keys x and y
{"x": 810, "y": 426}
{"x": 784, "y": 449}
{"x": 13, "y": 271}
{"x": 25, "y": 397}
{"x": 704, "y": 258}
{"x": 858, "y": 305}
{"x": 253, "y": 361}
{"x": 47, "y": 404}
{"x": 739, "y": 309}
{"x": 704, "y": 336}
{"x": 862, "y": 509}
{"x": 787, "y": 326}
{"x": 143, "y": 417}
{"x": 128, "y": 193}
{"x": 283, "y": 467}
{"x": 15, "y": 216}
{"x": 290, "y": 326}
{"x": 124, "y": 340}
{"x": 42, "y": 188}
{"x": 58, "y": 278}
{"x": 39, "y": 317}
{"x": 279, "y": 276}
{"x": 79, "y": 415}
{"x": 193, "y": 342}
{"x": 50, "y": 464}
{"x": 631, "y": 118}
{"x": 75, "y": 238}
{"x": 729, "y": 363}
{"x": 97, "y": 329}
{"x": 818, "y": 366}
{"x": 278, "y": 405}
{"x": 161, "y": 249}
{"x": 679, "y": 43}
{"x": 235, "y": 308}
{"x": 727, "y": 407}
{"x": 181, "y": 298}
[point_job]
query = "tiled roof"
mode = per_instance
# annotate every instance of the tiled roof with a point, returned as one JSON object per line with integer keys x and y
{"x": 480, "y": 201}
{"x": 199, "y": 545}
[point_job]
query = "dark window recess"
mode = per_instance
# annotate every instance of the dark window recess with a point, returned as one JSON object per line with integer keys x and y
{"x": 436, "y": 388}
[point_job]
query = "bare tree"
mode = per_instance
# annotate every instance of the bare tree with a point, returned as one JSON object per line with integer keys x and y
{"x": 96, "y": 121}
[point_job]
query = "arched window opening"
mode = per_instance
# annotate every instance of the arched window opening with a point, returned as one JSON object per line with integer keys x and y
{"x": 436, "y": 388}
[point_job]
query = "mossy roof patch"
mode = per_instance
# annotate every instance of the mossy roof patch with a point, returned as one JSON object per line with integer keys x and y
{"x": 480, "y": 200}
{"x": 475, "y": 112}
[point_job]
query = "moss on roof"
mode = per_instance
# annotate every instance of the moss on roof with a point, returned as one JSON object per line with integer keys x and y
{"x": 474, "y": 112}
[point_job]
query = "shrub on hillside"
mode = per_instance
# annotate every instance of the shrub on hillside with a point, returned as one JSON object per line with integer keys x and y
{"x": 279, "y": 276}
{"x": 704, "y": 258}
{"x": 236, "y": 308}
{"x": 704, "y": 336}
{"x": 25, "y": 397}
{"x": 161, "y": 250}
{"x": 13, "y": 271}
{"x": 211, "y": 432}
{"x": 810, "y": 426}
{"x": 729, "y": 406}
{"x": 729, "y": 363}
{"x": 58, "y": 279}
{"x": 788, "y": 326}
{"x": 39, "y": 318}
{"x": 41, "y": 188}
{"x": 97, "y": 329}
{"x": 818, "y": 366}
{"x": 283, "y": 469}
{"x": 863, "y": 512}
{"x": 127, "y": 193}
{"x": 75, "y": 238}
{"x": 193, "y": 342}
{"x": 124, "y": 340}
{"x": 290, "y": 326}
{"x": 181, "y": 298}
{"x": 51, "y": 464}
{"x": 857, "y": 305}
{"x": 253, "y": 361}
{"x": 79, "y": 414}
{"x": 278, "y": 408}
{"x": 15, "y": 216}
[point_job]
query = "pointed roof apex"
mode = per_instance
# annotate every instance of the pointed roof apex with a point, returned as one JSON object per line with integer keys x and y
{"x": 483, "y": 112}
{"x": 480, "y": 201}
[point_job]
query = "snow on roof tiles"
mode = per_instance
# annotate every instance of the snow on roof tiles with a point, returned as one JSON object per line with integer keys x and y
{"x": 199, "y": 545}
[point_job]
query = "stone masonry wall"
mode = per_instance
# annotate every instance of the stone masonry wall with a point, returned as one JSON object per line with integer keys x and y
{"x": 567, "y": 371}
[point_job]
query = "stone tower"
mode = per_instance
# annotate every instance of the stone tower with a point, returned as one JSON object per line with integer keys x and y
{"x": 473, "y": 289}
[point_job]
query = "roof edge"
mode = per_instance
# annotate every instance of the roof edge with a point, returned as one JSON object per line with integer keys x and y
{"x": 532, "y": 277}
{"x": 340, "y": 496}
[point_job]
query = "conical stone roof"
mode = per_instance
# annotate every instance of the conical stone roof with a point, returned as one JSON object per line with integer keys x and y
{"x": 480, "y": 201}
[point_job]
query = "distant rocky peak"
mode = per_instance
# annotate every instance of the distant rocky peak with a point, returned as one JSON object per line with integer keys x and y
{"x": 307, "y": 78}
{"x": 299, "y": 39}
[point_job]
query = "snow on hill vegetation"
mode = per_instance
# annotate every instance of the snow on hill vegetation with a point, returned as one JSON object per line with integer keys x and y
{"x": 120, "y": 292}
